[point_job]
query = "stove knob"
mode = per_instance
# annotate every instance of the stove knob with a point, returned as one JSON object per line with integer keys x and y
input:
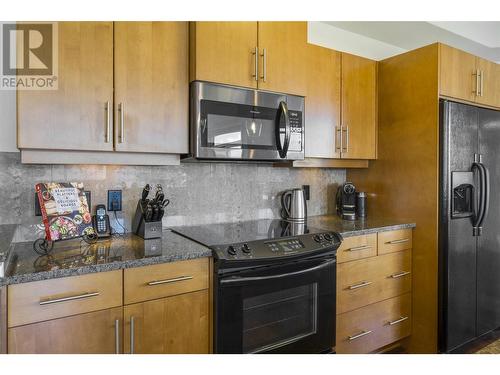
{"x": 231, "y": 250}
{"x": 318, "y": 238}
{"x": 246, "y": 249}
{"x": 328, "y": 237}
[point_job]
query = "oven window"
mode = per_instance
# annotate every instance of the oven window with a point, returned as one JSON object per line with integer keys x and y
{"x": 275, "y": 319}
{"x": 237, "y": 126}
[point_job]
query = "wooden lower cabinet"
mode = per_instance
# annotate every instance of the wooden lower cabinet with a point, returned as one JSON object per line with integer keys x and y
{"x": 92, "y": 333}
{"x": 374, "y": 326}
{"x": 172, "y": 325}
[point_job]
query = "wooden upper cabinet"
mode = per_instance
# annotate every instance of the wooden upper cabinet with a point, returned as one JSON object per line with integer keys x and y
{"x": 359, "y": 107}
{"x": 457, "y": 73}
{"x": 98, "y": 332}
{"x": 173, "y": 325}
{"x": 151, "y": 87}
{"x": 489, "y": 83}
{"x": 75, "y": 116}
{"x": 322, "y": 103}
{"x": 224, "y": 52}
{"x": 282, "y": 57}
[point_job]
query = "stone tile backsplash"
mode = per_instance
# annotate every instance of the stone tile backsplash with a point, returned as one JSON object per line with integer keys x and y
{"x": 199, "y": 193}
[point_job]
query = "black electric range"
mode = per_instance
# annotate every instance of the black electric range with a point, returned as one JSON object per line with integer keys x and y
{"x": 274, "y": 285}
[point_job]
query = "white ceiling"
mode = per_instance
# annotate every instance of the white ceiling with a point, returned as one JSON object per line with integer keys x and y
{"x": 380, "y": 39}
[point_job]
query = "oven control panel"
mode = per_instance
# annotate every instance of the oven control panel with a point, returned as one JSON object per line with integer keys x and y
{"x": 282, "y": 247}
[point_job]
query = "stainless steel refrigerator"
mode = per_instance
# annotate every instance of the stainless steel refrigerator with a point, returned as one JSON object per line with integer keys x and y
{"x": 469, "y": 233}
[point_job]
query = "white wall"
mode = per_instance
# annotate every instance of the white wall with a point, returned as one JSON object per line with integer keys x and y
{"x": 8, "y": 142}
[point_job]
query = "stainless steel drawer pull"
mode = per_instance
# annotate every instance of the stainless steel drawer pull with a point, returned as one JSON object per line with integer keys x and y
{"x": 132, "y": 334}
{"x": 108, "y": 123}
{"x": 168, "y": 281}
{"x": 359, "y": 335}
{"x": 481, "y": 81}
{"x": 48, "y": 301}
{"x": 117, "y": 336}
{"x": 264, "y": 65}
{"x": 360, "y": 285}
{"x": 400, "y": 274}
{"x": 256, "y": 61}
{"x": 359, "y": 248}
{"x": 121, "y": 108}
{"x": 397, "y": 321}
{"x": 395, "y": 242}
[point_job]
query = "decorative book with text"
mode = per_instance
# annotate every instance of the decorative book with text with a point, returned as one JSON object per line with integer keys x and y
{"x": 65, "y": 210}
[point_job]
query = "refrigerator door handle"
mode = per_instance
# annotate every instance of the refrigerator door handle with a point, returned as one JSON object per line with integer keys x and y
{"x": 486, "y": 200}
{"x": 479, "y": 213}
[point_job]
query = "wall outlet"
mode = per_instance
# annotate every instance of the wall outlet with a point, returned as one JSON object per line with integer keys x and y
{"x": 307, "y": 191}
{"x": 114, "y": 200}
{"x": 38, "y": 211}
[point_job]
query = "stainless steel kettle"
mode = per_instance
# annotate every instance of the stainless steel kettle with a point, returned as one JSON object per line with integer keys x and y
{"x": 293, "y": 205}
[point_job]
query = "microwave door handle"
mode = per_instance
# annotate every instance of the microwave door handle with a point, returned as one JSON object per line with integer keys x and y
{"x": 283, "y": 148}
{"x": 239, "y": 280}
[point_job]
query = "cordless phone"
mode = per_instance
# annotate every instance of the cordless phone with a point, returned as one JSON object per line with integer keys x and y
{"x": 100, "y": 221}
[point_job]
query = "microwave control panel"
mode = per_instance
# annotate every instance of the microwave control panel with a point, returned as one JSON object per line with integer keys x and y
{"x": 296, "y": 127}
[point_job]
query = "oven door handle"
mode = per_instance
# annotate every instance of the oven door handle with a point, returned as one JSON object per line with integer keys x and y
{"x": 283, "y": 148}
{"x": 237, "y": 280}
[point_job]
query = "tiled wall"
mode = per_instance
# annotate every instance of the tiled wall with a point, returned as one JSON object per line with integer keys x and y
{"x": 199, "y": 192}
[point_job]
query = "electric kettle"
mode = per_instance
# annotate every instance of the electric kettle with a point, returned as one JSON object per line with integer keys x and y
{"x": 293, "y": 205}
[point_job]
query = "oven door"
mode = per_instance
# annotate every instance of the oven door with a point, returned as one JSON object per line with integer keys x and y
{"x": 280, "y": 309}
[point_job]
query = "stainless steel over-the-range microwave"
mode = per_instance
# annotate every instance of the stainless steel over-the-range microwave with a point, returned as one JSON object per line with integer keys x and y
{"x": 234, "y": 123}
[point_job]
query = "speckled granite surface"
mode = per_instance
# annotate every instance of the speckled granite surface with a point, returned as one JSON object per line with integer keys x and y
{"x": 7, "y": 232}
{"x": 358, "y": 227}
{"x": 75, "y": 257}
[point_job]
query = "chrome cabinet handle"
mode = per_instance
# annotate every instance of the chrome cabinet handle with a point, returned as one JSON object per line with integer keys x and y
{"x": 360, "y": 285}
{"x": 338, "y": 136}
{"x": 397, "y": 321}
{"x": 359, "y": 335}
{"x": 117, "y": 336}
{"x": 344, "y": 147}
{"x": 481, "y": 80}
{"x": 121, "y": 108}
{"x": 395, "y": 242}
{"x": 256, "y": 61}
{"x": 264, "y": 65}
{"x": 359, "y": 248}
{"x": 132, "y": 334}
{"x": 168, "y": 281}
{"x": 108, "y": 123}
{"x": 400, "y": 274}
{"x": 476, "y": 75}
{"x": 49, "y": 301}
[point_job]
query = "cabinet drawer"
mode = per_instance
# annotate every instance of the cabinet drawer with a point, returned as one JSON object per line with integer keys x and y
{"x": 371, "y": 280}
{"x": 396, "y": 240}
{"x": 371, "y": 327}
{"x": 359, "y": 247}
{"x": 50, "y": 299}
{"x": 163, "y": 280}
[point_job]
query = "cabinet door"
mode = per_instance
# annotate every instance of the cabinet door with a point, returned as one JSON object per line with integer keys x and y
{"x": 282, "y": 64}
{"x": 323, "y": 103}
{"x": 151, "y": 87}
{"x": 75, "y": 116}
{"x": 93, "y": 333}
{"x": 457, "y": 73}
{"x": 489, "y": 92}
{"x": 359, "y": 107}
{"x": 223, "y": 52}
{"x": 173, "y": 325}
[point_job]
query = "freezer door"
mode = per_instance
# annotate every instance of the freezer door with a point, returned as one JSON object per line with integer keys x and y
{"x": 488, "y": 254}
{"x": 457, "y": 257}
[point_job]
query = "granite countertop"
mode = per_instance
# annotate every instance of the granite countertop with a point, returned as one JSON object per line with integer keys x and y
{"x": 7, "y": 232}
{"x": 76, "y": 257}
{"x": 357, "y": 227}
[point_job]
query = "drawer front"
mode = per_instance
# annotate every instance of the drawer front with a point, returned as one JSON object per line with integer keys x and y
{"x": 50, "y": 299}
{"x": 358, "y": 247}
{"x": 163, "y": 280}
{"x": 394, "y": 241}
{"x": 371, "y": 327}
{"x": 371, "y": 280}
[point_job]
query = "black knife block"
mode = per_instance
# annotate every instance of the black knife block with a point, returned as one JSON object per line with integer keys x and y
{"x": 146, "y": 230}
